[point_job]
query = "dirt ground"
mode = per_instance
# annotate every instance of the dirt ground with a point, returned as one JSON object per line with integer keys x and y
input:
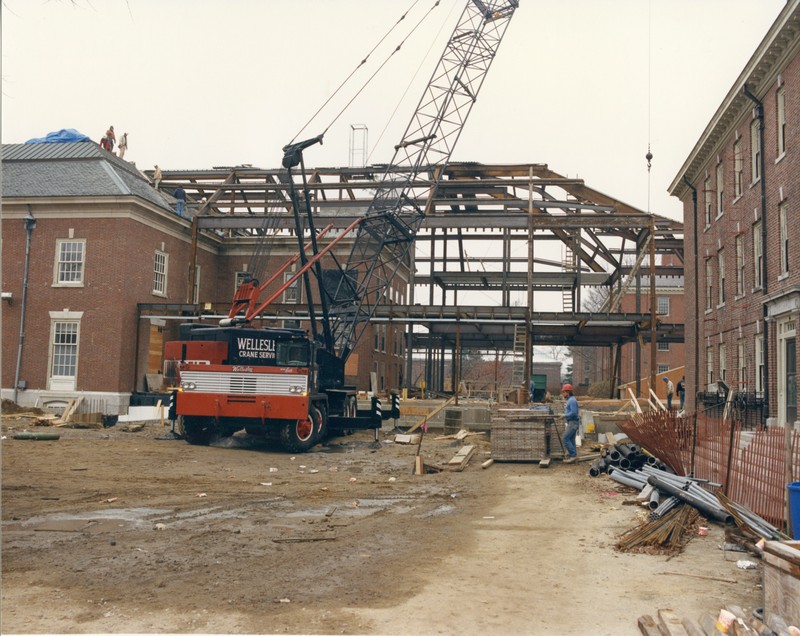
{"x": 107, "y": 531}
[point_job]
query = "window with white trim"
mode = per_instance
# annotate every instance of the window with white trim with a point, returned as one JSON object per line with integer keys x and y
{"x": 709, "y": 285}
{"x": 758, "y": 257}
{"x": 740, "y": 265}
{"x": 721, "y": 273}
{"x": 738, "y": 169}
{"x": 291, "y": 294}
{"x": 759, "y": 349}
{"x": 720, "y": 189}
{"x": 742, "y": 365}
{"x": 663, "y": 346}
{"x": 663, "y": 305}
{"x": 723, "y": 362}
{"x": 63, "y": 350}
{"x": 709, "y": 365}
{"x": 70, "y": 262}
{"x": 755, "y": 152}
{"x": 780, "y": 120}
{"x": 239, "y": 278}
{"x": 783, "y": 214}
{"x": 160, "y": 265}
{"x": 662, "y": 368}
{"x": 196, "y": 290}
{"x": 708, "y": 200}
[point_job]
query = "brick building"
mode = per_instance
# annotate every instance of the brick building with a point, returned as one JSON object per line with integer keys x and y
{"x": 740, "y": 188}
{"x": 95, "y": 266}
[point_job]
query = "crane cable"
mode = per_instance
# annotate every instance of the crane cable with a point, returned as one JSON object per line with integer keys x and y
{"x": 649, "y": 155}
{"x": 408, "y": 86}
{"x": 371, "y": 77}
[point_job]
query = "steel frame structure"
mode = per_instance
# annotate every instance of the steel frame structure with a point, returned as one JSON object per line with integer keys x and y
{"x": 516, "y": 210}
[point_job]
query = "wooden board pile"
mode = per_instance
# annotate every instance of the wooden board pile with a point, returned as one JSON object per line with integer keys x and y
{"x": 731, "y": 620}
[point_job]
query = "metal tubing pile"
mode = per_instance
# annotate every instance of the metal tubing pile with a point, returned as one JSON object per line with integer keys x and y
{"x": 665, "y": 532}
{"x": 624, "y": 456}
{"x": 667, "y": 486}
{"x": 662, "y": 433}
{"x": 750, "y": 522}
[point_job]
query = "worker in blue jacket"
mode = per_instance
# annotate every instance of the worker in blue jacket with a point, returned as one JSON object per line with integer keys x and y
{"x": 573, "y": 422}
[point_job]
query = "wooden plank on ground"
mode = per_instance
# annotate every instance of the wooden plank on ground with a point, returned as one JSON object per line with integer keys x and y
{"x": 709, "y": 624}
{"x": 461, "y": 458}
{"x": 692, "y": 628}
{"x": 545, "y": 463}
{"x": 647, "y": 626}
{"x": 670, "y": 624}
{"x": 487, "y": 463}
{"x": 406, "y": 439}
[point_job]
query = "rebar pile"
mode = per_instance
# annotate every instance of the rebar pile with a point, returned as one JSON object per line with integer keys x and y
{"x": 667, "y": 533}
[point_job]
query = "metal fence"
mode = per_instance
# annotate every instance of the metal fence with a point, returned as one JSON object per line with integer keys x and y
{"x": 749, "y": 409}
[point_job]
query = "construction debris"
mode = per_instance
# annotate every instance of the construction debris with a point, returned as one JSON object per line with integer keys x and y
{"x": 462, "y": 457}
{"x": 668, "y": 534}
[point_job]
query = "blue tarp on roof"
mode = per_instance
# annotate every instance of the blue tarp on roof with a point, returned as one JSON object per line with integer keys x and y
{"x": 64, "y": 135}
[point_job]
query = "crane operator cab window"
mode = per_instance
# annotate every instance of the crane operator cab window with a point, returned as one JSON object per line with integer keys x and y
{"x": 293, "y": 354}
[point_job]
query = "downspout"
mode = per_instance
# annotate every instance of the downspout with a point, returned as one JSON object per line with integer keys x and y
{"x": 30, "y": 225}
{"x": 761, "y": 166}
{"x": 696, "y": 286}
{"x": 696, "y": 317}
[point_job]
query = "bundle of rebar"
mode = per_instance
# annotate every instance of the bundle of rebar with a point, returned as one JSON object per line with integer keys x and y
{"x": 668, "y": 532}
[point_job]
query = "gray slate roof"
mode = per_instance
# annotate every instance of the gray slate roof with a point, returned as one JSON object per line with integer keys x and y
{"x": 76, "y": 169}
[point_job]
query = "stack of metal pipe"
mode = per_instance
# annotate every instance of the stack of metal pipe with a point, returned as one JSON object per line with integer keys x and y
{"x": 625, "y": 456}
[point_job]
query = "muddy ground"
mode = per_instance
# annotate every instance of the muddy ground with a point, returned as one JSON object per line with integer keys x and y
{"x": 107, "y": 531}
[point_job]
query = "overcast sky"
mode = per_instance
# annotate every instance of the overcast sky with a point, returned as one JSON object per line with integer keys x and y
{"x": 582, "y": 85}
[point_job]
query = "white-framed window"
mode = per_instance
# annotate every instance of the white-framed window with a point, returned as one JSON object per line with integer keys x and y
{"x": 741, "y": 365}
{"x": 663, "y": 346}
{"x": 708, "y": 200}
{"x": 709, "y": 285}
{"x": 723, "y": 362}
{"x": 63, "y": 350}
{"x": 783, "y": 214}
{"x": 709, "y": 365}
{"x": 738, "y": 169}
{"x": 720, "y": 189}
{"x": 239, "y": 278}
{"x": 291, "y": 294}
{"x": 780, "y": 120}
{"x": 740, "y": 265}
{"x": 721, "y": 273}
{"x": 662, "y": 306}
{"x": 662, "y": 368}
{"x": 70, "y": 262}
{"x": 758, "y": 257}
{"x": 196, "y": 290}
{"x": 759, "y": 356}
{"x": 755, "y": 152}
{"x": 160, "y": 267}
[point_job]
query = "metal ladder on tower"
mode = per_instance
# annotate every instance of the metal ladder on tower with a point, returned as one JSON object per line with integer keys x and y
{"x": 518, "y": 366}
{"x": 569, "y": 267}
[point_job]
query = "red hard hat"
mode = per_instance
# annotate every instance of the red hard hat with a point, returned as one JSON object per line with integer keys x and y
{"x": 566, "y": 387}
